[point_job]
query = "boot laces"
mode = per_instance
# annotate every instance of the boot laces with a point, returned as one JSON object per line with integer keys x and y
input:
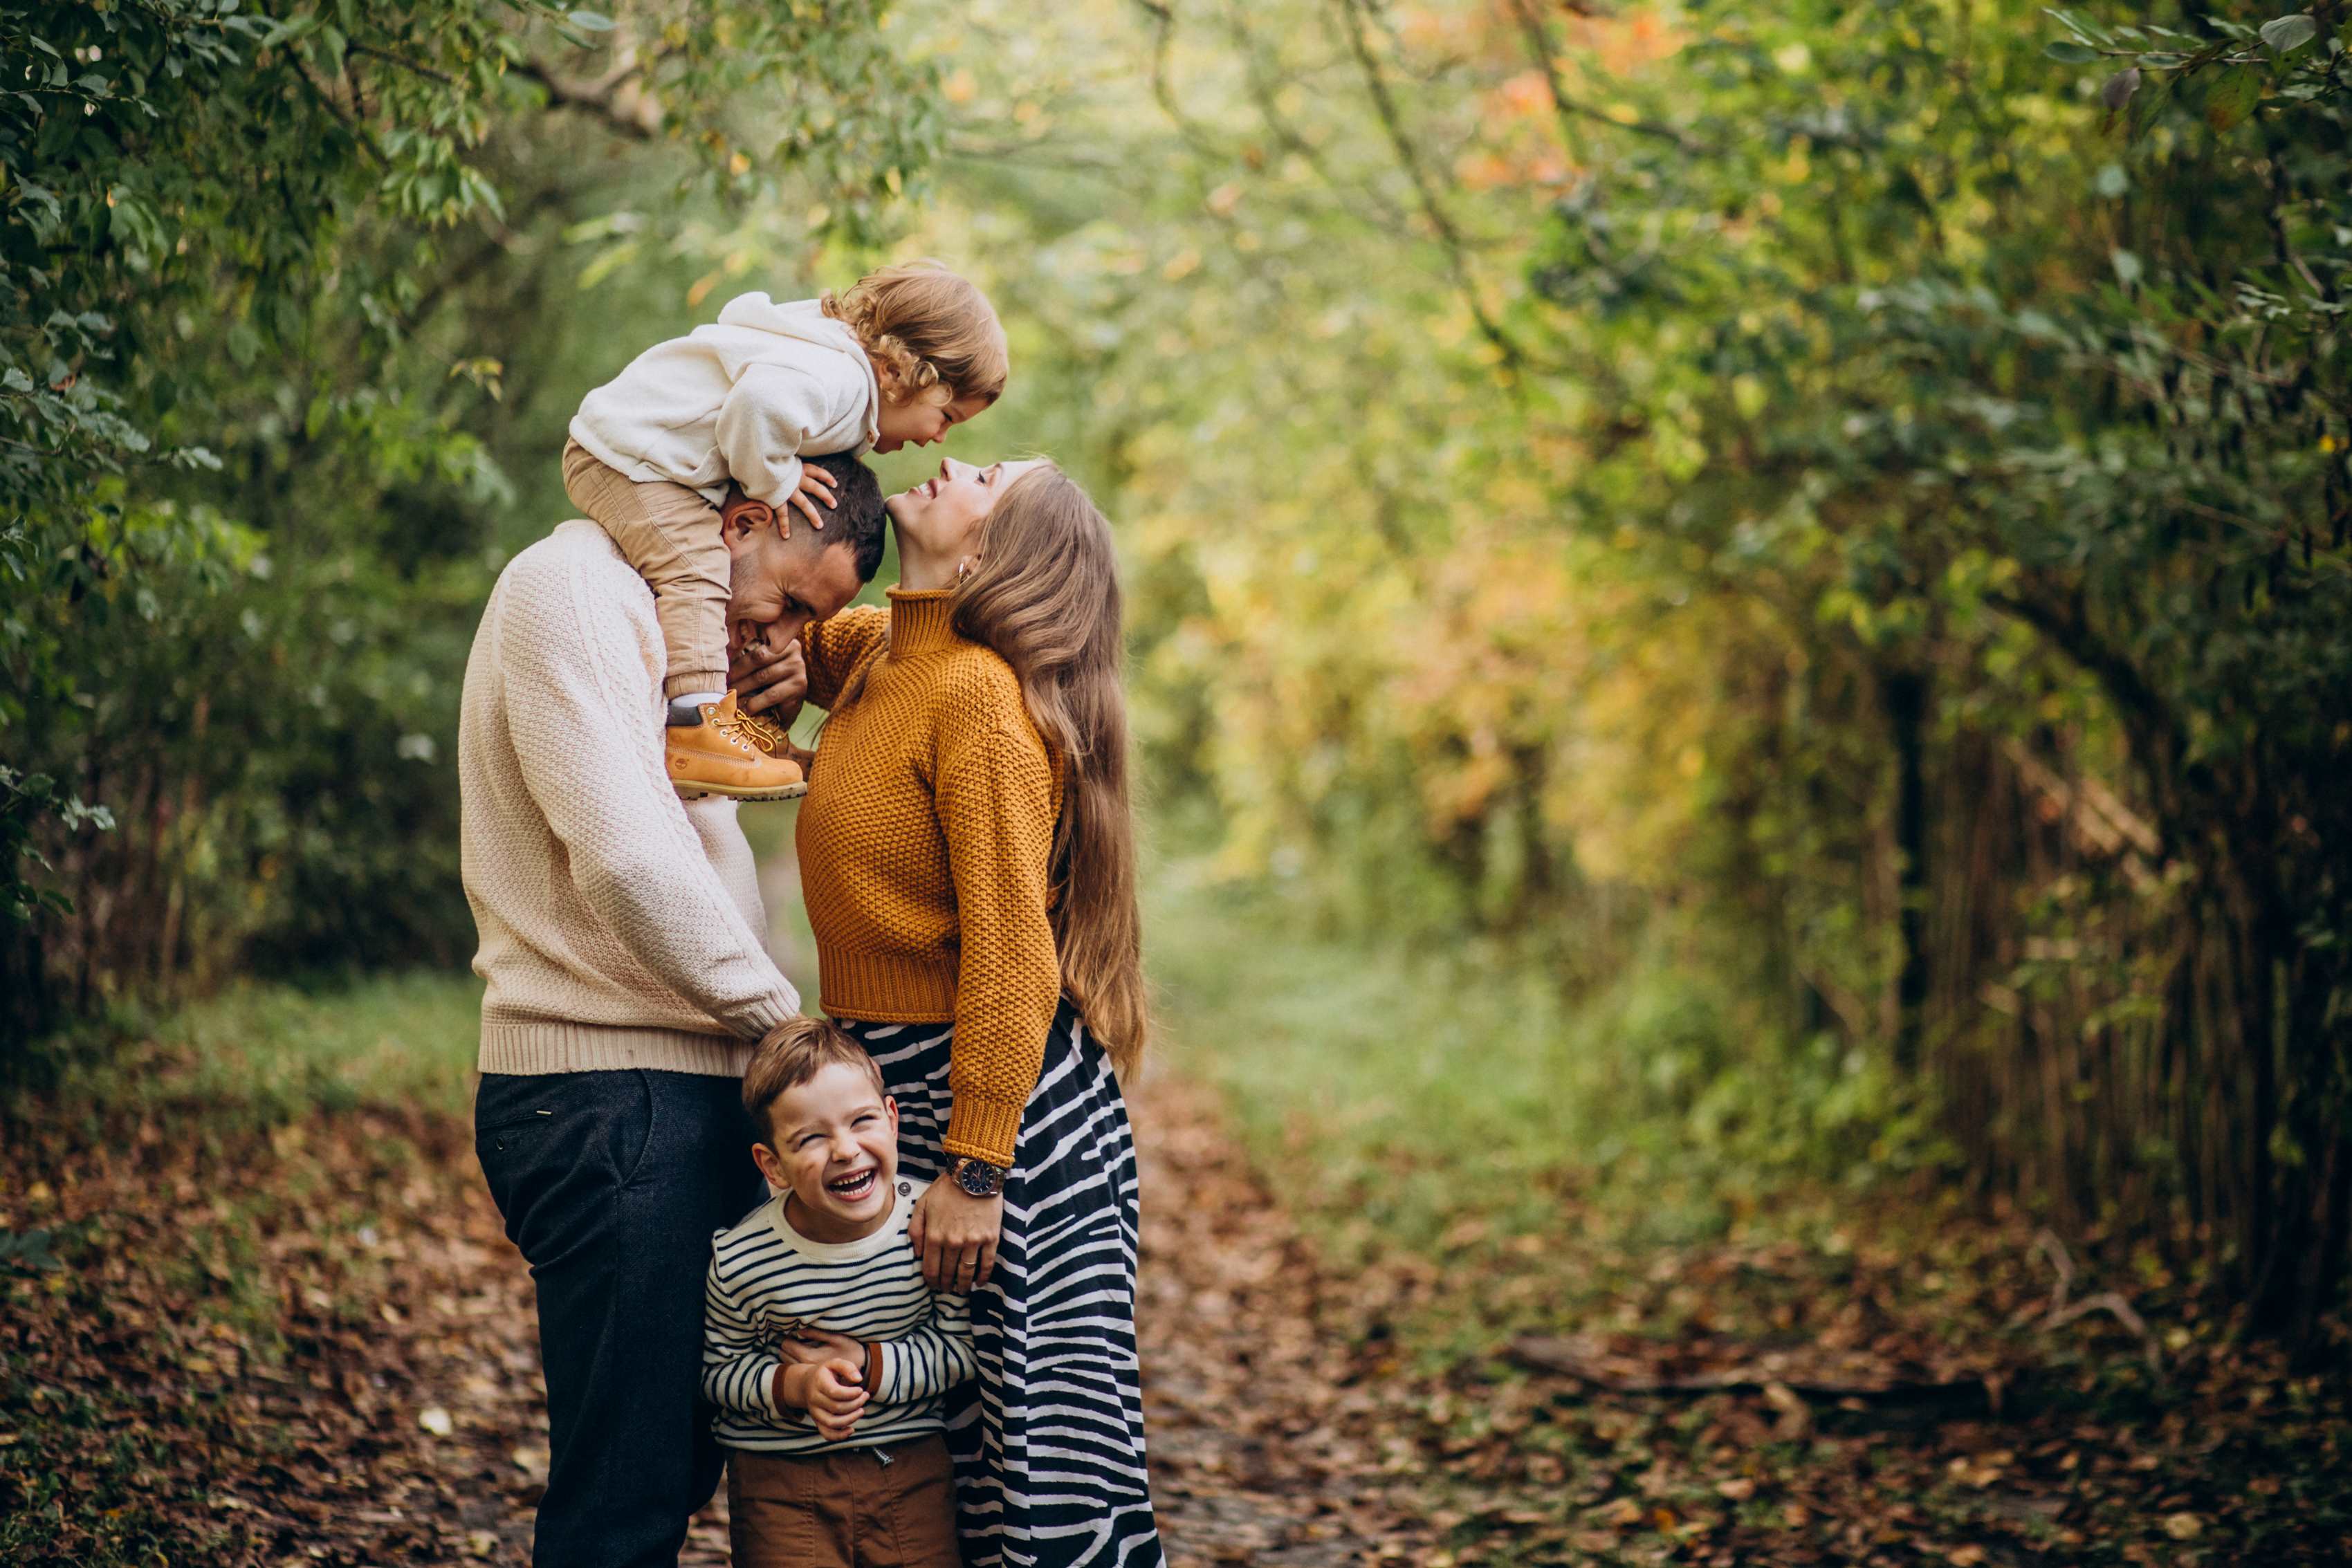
{"x": 739, "y": 730}
{"x": 766, "y": 733}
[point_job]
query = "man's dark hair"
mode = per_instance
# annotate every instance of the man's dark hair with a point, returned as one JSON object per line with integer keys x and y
{"x": 856, "y": 519}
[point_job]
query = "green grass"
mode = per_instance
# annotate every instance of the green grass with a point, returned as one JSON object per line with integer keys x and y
{"x": 262, "y": 1054}
{"x": 1403, "y": 1093}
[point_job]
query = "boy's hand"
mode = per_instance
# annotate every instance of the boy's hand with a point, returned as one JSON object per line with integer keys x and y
{"x": 814, "y": 1347}
{"x": 770, "y": 681}
{"x": 836, "y": 1397}
{"x": 815, "y": 484}
{"x": 833, "y": 1392}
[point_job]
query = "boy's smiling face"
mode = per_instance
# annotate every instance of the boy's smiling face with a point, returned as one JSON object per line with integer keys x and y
{"x": 836, "y": 1148}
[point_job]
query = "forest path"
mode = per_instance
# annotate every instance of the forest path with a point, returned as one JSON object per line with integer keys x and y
{"x": 1241, "y": 1399}
{"x": 279, "y": 1331}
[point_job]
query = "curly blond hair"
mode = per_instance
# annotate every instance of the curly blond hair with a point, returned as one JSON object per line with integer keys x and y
{"x": 925, "y": 327}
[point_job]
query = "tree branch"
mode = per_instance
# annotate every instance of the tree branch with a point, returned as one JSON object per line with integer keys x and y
{"x": 1424, "y": 186}
{"x": 1570, "y": 110}
{"x": 617, "y": 100}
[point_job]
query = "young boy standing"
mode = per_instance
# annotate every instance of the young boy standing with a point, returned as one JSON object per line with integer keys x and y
{"x": 828, "y": 1357}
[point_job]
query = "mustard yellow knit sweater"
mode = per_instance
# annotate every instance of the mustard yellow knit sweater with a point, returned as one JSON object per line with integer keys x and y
{"x": 926, "y": 844}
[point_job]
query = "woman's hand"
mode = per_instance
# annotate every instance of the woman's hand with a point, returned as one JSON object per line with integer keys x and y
{"x": 955, "y": 1235}
{"x": 770, "y": 681}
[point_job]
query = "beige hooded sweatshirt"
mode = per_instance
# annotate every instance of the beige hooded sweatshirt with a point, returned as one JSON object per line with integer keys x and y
{"x": 741, "y": 399}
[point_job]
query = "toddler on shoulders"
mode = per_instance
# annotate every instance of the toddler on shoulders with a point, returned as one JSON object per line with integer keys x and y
{"x": 904, "y": 356}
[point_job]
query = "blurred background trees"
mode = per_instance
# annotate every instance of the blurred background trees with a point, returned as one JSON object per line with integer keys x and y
{"x": 280, "y": 280}
{"x": 1817, "y": 530}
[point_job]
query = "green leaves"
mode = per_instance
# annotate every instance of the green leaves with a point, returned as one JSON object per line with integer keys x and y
{"x": 2070, "y": 52}
{"x": 2286, "y": 35}
{"x": 263, "y": 286}
{"x": 2232, "y": 97}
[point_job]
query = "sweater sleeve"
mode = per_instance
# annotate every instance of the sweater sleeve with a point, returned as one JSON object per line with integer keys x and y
{"x": 739, "y": 1372}
{"x": 581, "y": 706}
{"x": 929, "y": 1358}
{"x": 770, "y": 416}
{"x": 995, "y": 797}
{"x": 835, "y": 646}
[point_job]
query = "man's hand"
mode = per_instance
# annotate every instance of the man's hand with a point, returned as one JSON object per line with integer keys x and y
{"x": 955, "y": 1235}
{"x": 768, "y": 681}
{"x": 831, "y": 1392}
{"x": 815, "y": 486}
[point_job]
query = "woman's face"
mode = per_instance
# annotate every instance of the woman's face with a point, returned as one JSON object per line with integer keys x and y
{"x": 942, "y": 514}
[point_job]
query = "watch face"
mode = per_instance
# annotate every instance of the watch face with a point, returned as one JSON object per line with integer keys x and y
{"x": 978, "y": 1178}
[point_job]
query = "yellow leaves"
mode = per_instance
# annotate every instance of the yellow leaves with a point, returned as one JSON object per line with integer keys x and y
{"x": 960, "y": 86}
{"x": 1183, "y": 264}
{"x": 1525, "y": 94}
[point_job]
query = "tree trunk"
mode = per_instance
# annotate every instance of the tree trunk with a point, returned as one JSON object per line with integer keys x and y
{"x": 1905, "y": 695}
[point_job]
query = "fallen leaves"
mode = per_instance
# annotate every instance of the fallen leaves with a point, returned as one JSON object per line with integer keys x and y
{"x": 316, "y": 1347}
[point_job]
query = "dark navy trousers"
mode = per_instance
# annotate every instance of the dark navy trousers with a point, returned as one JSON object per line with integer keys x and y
{"x": 610, "y": 1185}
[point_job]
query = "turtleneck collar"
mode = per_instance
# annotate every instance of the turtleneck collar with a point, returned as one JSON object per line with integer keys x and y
{"x": 922, "y": 623}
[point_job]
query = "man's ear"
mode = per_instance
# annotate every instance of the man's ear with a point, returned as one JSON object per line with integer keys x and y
{"x": 742, "y": 516}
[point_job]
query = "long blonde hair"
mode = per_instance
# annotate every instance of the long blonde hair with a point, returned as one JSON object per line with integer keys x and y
{"x": 1046, "y": 597}
{"x": 923, "y": 326}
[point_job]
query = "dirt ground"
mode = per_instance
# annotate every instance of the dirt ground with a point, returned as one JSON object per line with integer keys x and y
{"x": 263, "y": 1344}
{"x": 402, "y": 1420}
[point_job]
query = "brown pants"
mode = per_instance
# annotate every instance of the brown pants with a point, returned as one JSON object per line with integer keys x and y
{"x": 845, "y": 1508}
{"x": 670, "y": 534}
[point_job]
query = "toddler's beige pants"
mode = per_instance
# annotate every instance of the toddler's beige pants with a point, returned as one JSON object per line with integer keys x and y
{"x": 670, "y": 534}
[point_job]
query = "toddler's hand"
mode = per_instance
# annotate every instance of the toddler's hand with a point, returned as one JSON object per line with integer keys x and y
{"x": 815, "y": 483}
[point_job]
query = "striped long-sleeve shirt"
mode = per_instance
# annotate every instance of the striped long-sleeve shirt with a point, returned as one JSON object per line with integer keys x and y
{"x": 767, "y": 1281}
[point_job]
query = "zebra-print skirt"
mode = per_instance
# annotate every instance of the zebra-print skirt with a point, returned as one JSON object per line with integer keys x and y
{"x": 1048, "y": 1442}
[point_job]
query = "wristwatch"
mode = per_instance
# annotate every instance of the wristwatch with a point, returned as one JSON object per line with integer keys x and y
{"x": 977, "y": 1178}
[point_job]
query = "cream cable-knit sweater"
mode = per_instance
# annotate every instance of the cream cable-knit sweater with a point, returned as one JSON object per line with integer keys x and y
{"x": 619, "y": 925}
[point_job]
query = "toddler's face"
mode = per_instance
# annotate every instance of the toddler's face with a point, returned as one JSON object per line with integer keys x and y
{"x": 933, "y": 413}
{"x": 836, "y": 1147}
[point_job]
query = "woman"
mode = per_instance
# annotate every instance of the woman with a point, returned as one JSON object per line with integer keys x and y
{"x": 968, "y": 854}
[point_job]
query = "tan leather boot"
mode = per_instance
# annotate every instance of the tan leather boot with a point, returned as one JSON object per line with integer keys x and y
{"x": 721, "y": 754}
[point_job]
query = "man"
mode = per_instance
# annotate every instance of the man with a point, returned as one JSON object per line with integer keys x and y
{"x": 627, "y": 980}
